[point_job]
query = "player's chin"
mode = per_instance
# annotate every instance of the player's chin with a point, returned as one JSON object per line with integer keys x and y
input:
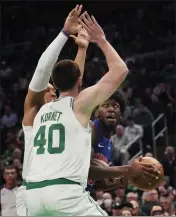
{"x": 111, "y": 122}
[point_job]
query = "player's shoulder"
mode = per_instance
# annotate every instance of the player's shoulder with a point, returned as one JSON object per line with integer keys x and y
{"x": 46, "y": 105}
{"x": 91, "y": 123}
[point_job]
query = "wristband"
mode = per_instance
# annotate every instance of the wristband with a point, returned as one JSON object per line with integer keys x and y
{"x": 65, "y": 33}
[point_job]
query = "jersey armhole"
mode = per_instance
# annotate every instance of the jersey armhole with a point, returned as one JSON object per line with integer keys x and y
{"x": 88, "y": 128}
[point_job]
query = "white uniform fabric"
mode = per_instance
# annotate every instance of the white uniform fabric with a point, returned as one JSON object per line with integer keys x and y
{"x": 62, "y": 200}
{"x": 67, "y": 144}
{"x": 46, "y": 62}
{"x": 61, "y": 149}
{"x": 21, "y": 201}
{"x": 20, "y": 195}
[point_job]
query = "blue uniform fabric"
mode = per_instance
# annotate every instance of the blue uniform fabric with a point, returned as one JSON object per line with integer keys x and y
{"x": 102, "y": 150}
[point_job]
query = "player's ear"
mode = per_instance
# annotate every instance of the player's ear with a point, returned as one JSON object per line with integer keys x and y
{"x": 96, "y": 114}
{"x": 80, "y": 81}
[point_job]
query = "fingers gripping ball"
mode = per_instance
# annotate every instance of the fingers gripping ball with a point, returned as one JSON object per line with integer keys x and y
{"x": 142, "y": 182}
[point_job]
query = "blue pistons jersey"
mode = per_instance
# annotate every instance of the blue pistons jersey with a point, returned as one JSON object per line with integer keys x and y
{"x": 102, "y": 150}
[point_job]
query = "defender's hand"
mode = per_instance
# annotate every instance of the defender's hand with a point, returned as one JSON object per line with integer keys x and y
{"x": 82, "y": 40}
{"x": 94, "y": 30}
{"x": 71, "y": 25}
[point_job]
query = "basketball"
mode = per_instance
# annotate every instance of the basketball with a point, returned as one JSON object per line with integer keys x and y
{"x": 142, "y": 183}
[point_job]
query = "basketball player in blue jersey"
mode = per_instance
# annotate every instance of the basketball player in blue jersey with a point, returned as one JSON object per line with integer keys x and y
{"x": 107, "y": 115}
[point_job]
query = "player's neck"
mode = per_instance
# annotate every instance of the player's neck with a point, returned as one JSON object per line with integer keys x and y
{"x": 73, "y": 93}
{"x": 106, "y": 130}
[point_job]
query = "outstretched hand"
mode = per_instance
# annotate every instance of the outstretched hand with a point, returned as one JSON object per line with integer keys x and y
{"x": 82, "y": 40}
{"x": 71, "y": 25}
{"x": 94, "y": 30}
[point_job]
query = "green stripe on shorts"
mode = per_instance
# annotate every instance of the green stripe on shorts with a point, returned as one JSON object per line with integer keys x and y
{"x": 60, "y": 181}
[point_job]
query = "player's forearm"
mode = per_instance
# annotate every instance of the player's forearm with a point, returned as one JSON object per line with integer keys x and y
{"x": 80, "y": 59}
{"x": 100, "y": 173}
{"x": 114, "y": 61}
{"x": 46, "y": 62}
{"x": 107, "y": 187}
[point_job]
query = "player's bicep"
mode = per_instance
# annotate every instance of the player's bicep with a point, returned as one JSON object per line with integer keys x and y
{"x": 34, "y": 99}
{"x": 93, "y": 96}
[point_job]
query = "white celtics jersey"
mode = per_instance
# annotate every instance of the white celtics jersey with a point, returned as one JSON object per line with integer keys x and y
{"x": 28, "y": 146}
{"x": 61, "y": 145}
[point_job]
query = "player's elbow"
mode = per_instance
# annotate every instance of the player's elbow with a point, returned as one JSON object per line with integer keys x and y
{"x": 119, "y": 73}
{"x": 123, "y": 69}
{"x": 120, "y": 70}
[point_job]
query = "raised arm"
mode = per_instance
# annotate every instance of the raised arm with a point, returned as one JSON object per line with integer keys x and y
{"x": 40, "y": 79}
{"x": 93, "y": 96}
{"x": 82, "y": 40}
{"x": 39, "y": 82}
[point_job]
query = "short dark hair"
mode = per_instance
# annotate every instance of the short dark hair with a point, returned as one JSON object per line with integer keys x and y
{"x": 65, "y": 74}
{"x": 119, "y": 97}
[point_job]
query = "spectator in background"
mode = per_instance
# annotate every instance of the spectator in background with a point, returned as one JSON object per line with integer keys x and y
{"x": 132, "y": 196}
{"x": 126, "y": 212}
{"x": 133, "y": 130}
{"x": 107, "y": 196}
{"x": 169, "y": 164}
{"x": 9, "y": 119}
{"x": 99, "y": 197}
{"x": 136, "y": 209}
{"x": 108, "y": 206}
{"x": 141, "y": 114}
{"x": 115, "y": 209}
{"x": 156, "y": 106}
{"x": 126, "y": 209}
{"x": 157, "y": 210}
{"x": 120, "y": 193}
{"x": 119, "y": 155}
{"x": 8, "y": 192}
{"x": 150, "y": 198}
{"x": 134, "y": 133}
{"x": 17, "y": 154}
{"x": 164, "y": 201}
{"x": 162, "y": 191}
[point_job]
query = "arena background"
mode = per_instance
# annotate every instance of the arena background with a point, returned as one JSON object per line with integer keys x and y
{"x": 144, "y": 35}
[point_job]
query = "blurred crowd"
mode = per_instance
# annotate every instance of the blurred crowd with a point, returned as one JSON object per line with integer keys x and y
{"x": 144, "y": 37}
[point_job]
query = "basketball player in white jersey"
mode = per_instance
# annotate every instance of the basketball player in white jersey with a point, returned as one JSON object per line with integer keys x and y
{"x": 20, "y": 195}
{"x": 82, "y": 41}
{"x": 58, "y": 173}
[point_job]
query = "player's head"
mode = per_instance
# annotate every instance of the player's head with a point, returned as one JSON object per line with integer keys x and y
{"x": 66, "y": 76}
{"x": 111, "y": 110}
{"x": 50, "y": 93}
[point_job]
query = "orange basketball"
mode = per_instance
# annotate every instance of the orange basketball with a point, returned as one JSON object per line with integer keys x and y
{"x": 142, "y": 182}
